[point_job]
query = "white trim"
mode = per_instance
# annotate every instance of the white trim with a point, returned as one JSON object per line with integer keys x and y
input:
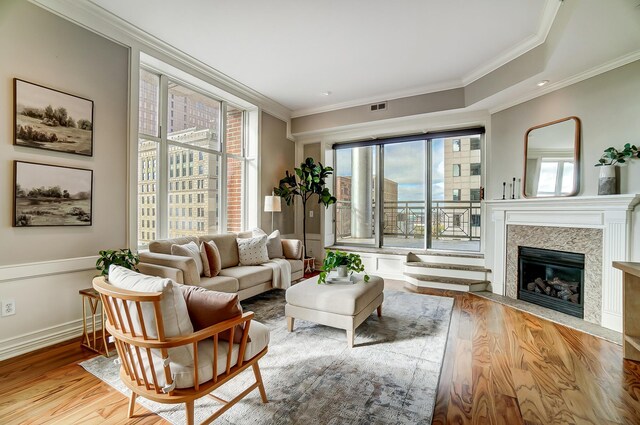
{"x": 600, "y": 69}
{"x": 549, "y": 13}
{"x": 47, "y": 268}
{"x": 42, "y": 338}
{"x": 98, "y": 20}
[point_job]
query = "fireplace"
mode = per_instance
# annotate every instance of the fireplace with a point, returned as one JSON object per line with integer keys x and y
{"x": 552, "y": 279}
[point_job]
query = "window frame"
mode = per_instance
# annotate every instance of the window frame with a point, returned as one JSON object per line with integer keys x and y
{"x": 163, "y": 144}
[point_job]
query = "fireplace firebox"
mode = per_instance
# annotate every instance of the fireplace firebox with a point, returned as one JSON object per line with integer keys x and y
{"x": 552, "y": 279}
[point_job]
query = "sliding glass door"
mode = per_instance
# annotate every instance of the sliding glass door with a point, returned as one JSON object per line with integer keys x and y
{"x": 429, "y": 187}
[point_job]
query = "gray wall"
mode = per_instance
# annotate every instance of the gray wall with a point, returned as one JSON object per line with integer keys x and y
{"x": 313, "y": 223}
{"x": 608, "y": 106}
{"x": 40, "y": 47}
{"x": 277, "y": 154}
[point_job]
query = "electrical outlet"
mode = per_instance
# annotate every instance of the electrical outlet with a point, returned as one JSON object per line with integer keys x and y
{"x": 310, "y": 214}
{"x": 8, "y": 307}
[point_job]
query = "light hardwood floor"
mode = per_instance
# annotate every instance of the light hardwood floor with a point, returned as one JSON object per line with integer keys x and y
{"x": 501, "y": 366}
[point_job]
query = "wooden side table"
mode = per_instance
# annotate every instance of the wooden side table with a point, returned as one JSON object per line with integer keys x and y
{"x": 92, "y": 297}
{"x": 630, "y": 308}
{"x": 309, "y": 265}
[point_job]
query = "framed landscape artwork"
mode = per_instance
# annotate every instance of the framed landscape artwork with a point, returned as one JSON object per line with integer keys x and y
{"x": 53, "y": 120}
{"x": 51, "y": 195}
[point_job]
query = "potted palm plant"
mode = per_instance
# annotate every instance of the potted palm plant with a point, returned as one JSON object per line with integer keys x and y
{"x": 345, "y": 264}
{"x": 609, "y": 159}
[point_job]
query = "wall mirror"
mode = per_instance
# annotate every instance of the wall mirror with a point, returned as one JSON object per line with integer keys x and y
{"x": 552, "y": 159}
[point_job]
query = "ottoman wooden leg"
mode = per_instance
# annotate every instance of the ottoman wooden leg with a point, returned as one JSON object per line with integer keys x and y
{"x": 380, "y": 310}
{"x": 290, "y": 324}
{"x": 350, "y": 338}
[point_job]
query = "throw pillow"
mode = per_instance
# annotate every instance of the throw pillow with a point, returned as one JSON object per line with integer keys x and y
{"x": 274, "y": 245}
{"x": 206, "y": 268}
{"x": 213, "y": 258}
{"x": 253, "y": 251}
{"x": 189, "y": 250}
{"x": 207, "y": 308}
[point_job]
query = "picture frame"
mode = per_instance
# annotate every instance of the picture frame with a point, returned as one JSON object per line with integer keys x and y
{"x": 50, "y": 119}
{"x": 47, "y": 195}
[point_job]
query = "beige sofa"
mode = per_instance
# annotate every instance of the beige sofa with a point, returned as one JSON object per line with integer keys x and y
{"x": 247, "y": 281}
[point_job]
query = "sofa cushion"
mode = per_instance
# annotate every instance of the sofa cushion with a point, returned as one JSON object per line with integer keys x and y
{"x": 192, "y": 250}
{"x": 213, "y": 258}
{"x": 220, "y": 283}
{"x": 253, "y": 251}
{"x": 248, "y": 276}
{"x": 163, "y": 246}
{"x": 227, "y": 246}
{"x": 207, "y": 308}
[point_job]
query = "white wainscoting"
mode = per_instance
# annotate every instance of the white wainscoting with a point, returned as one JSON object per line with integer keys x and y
{"x": 48, "y": 306}
{"x": 613, "y": 214}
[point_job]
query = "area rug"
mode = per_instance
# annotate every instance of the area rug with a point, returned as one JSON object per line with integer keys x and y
{"x": 312, "y": 377}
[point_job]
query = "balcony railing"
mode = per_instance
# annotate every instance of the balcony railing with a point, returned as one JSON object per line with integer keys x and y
{"x": 456, "y": 220}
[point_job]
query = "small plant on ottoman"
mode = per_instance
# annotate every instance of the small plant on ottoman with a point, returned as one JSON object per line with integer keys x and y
{"x": 343, "y": 262}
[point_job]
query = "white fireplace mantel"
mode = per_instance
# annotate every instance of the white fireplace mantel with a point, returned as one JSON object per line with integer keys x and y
{"x": 614, "y": 214}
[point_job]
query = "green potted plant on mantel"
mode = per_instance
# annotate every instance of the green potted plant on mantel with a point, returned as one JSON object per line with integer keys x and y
{"x": 609, "y": 159}
{"x": 345, "y": 264}
{"x": 120, "y": 257}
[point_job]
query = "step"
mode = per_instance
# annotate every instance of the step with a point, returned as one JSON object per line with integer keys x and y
{"x": 449, "y": 283}
{"x": 466, "y": 259}
{"x": 447, "y": 266}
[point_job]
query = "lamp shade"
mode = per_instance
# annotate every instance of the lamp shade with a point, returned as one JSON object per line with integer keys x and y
{"x": 272, "y": 203}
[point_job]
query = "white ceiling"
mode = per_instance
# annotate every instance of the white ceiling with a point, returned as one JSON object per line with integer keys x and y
{"x": 365, "y": 50}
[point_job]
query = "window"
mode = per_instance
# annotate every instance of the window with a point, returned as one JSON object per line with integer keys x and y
{"x": 475, "y": 169}
{"x": 196, "y": 150}
{"x": 474, "y": 144}
{"x": 456, "y": 170}
{"x": 400, "y": 192}
{"x": 475, "y": 220}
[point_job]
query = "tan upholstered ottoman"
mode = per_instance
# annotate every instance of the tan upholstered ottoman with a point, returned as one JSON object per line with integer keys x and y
{"x": 339, "y": 305}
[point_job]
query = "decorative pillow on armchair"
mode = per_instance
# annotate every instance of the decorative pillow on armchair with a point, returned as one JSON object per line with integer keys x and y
{"x": 253, "y": 251}
{"x": 207, "y": 308}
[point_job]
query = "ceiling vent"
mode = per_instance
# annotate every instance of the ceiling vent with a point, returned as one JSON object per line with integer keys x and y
{"x": 378, "y": 106}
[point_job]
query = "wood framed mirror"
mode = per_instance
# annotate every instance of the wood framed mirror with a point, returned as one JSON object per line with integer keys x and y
{"x": 552, "y": 159}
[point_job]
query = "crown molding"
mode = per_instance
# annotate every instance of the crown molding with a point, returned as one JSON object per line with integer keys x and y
{"x": 399, "y": 94}
{"x": 590, "y": 73}
{"x": 549, "y": 13}
{"x": 100, "y": 21}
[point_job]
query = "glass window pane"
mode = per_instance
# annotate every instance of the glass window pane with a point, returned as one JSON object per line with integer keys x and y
{"x": 404, "y": 195}
{"x": 235, "y": 178}
{"x": 194, "y": 195}
{"x": 147, "y": 191}
{"x": 193, "y": 118}
{"x": 567, "y": 178}
{"x": 355, "y": 191}
{"x": 234, "y": 131}
{"x": 548, "y": 177}
{"x": 148, "y": 103}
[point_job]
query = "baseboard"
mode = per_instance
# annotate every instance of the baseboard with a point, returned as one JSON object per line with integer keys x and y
{"x": 42, "y": 338}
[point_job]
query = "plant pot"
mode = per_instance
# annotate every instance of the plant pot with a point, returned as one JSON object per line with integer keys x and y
{"x": 342, "y": 271}
{"x": 607, "y": 180}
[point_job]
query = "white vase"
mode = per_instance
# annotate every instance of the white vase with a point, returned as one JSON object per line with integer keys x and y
{"x": 607, "y": 180}
{"x": 342, "y": 271}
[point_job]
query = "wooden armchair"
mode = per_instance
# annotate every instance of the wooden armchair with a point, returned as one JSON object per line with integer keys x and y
{"x": 145, "y": 366}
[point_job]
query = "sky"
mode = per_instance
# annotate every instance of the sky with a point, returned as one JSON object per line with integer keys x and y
{"x": 36, "y": 175}
{"x": 404, "y": 164}
{"x": 33, "y": 96}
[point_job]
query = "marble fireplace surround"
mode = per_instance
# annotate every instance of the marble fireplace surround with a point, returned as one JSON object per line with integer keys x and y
{"x": 569, "y": 239}
{"x": 606, "y": 221}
